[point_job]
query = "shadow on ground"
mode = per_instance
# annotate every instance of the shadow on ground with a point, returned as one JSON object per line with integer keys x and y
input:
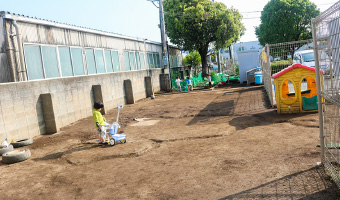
{"x": 227, "y": 104}
{"x": 85, "y": 146}
{"x": 300, "y": 185}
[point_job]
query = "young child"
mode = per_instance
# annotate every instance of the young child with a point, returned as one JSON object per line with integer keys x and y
{"x": 178, "y": 81}
{"x": 99, "y": 121}
{"x": 209, "y": 79}
{"x": 190, "y": 88}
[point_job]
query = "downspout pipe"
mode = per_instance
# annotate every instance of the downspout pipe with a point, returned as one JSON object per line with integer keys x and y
{"x": 22, "y": 72}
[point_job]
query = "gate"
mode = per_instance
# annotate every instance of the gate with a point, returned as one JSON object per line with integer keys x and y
{"x": 326, "y": 39}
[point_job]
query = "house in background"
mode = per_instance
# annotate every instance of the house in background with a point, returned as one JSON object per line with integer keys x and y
{"x": 241, "y": 47}
{"x": 246, "y": 55}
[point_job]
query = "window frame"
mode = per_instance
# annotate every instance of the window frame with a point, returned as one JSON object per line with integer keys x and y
{"x": 135, "y": 64}
{"x": 41, "y": 59}
{"x": 83, "y": 59}
{"x": 95, "y": 64}
{"x": 57, "y": 57}
{"x": 112, "y": 67}
{"x": 61, "y": 72}
{"x": 113, "y": 61}
{"x": 128, "y": 58}
{"x": 95, "y": 59}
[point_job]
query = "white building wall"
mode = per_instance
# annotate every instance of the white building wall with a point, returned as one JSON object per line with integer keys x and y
{"x": 247, "y": 60}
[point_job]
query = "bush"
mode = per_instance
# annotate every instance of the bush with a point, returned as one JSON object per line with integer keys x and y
{"x": 276, "y": 66}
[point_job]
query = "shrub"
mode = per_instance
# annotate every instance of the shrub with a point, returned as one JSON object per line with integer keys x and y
{"x": 276, "y": 66}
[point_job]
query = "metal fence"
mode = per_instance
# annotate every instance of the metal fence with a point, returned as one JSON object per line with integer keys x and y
{"x": 230, "y": 67}
{"x": 266, "y": 73}
{"x": 326, "y": 39}
{"x": 276, "y": 57}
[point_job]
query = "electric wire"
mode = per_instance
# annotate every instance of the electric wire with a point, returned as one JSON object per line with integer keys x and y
{"x": 191, "y": 16}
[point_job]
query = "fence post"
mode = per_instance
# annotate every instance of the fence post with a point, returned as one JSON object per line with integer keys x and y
{"x": 318, "y": 85}
{"x": 269, "y": 71}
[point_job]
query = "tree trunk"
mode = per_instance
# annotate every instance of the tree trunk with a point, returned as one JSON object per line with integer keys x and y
{"x": 203, "y": 53}
{"x": 205, "y": 68}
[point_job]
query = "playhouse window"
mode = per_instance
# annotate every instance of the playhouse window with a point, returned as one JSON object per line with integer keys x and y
{"x": 308, "y": 87}
{"x": 288, "y": 89}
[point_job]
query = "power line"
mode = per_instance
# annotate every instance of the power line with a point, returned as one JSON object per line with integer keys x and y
{"x": 207, "y": 15}
{"x": 262, "y": 10}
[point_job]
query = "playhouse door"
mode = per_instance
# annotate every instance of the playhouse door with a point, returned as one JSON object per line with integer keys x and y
{"x": 310, "y": 103}
{"x": 309, "y": 94}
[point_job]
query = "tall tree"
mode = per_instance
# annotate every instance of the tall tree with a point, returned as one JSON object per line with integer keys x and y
{"x": 285, "y": 21}
{"x": 194, "y": 24}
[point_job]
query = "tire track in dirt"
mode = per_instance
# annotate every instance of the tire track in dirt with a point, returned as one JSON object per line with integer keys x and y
{"x": 110, "y": 157}
{"x": 155, "y": 145}
{"x": 187, "y": 138}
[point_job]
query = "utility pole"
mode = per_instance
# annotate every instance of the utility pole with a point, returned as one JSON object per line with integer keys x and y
{"x": 164, "y": 41}
{"x": 218, "y": 61}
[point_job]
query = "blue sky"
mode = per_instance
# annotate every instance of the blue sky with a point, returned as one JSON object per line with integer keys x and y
{"x": 136, "y": 18}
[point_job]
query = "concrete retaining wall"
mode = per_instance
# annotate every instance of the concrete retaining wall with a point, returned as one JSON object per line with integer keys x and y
{"x": 21, "y": 107}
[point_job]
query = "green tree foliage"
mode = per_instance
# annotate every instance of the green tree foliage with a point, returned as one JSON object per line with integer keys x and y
{"x": 285, "y": 21}
{"x": 193, "y": 59}
{"x": 194, "y": 24}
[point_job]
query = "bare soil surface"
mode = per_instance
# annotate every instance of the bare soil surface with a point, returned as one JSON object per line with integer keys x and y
{"x": 226, "y": 143}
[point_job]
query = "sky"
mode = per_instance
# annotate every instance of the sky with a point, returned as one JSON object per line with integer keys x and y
{"x": 135, "y": 18}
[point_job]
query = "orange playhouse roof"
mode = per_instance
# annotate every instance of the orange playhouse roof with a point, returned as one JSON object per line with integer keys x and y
{"x": 278, "y": 74}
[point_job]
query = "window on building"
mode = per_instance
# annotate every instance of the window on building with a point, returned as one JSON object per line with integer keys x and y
{"x": 178, "y": 61}
{"x": 91, "y": 64}
{"x": 33, "y": 62}
{"x": 174, "y": 61}
{"x": 241, "y": 49}
{"x": 156, "y": 60}
{"x": 65, "y": 61}
{"x": 142, "y": 60}
{"x": 115, "y": 59}
{"x": 50, "y": 61}
{"x": 150, "y": 61}
{"x": 170, "y": 61}
{"x": 108, "y": 61}
{"x": 127, "y": 61}
{"x": 100, "y": 61}
{"x": 132, "y": 60}
{"x": 77, "y": 61}
{"x": 137, "y": 60}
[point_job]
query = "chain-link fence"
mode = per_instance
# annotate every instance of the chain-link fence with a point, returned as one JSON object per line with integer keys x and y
{"x": 326, "y": 39}
{"x": 266, "y": 73}
{"x": 230, "y": 67}
{"x": 276, "y": 57}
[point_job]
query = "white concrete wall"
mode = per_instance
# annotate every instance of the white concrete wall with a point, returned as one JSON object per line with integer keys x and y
{"x": 21, "y": 114}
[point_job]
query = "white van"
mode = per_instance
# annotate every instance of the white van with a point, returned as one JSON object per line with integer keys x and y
{"x": 306, "y": 57}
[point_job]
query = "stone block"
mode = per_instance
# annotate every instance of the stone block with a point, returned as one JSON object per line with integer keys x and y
{"x": 129, "y": 97}
{"x": 49, "y": 113}
{"x": 148, "y": 86}
{"x": 165, "y": 82}
{"x": 98, "y": 96}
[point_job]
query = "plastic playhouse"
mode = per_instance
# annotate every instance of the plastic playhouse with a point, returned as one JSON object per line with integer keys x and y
{"x": 295, "y": 89}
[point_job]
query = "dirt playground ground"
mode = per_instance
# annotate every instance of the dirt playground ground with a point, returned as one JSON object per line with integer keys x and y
{"x": 226, "y": 143}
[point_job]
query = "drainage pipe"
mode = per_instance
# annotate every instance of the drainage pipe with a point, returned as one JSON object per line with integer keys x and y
{"x": 11, "y": 51}
{"x": 22, "y": 72}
